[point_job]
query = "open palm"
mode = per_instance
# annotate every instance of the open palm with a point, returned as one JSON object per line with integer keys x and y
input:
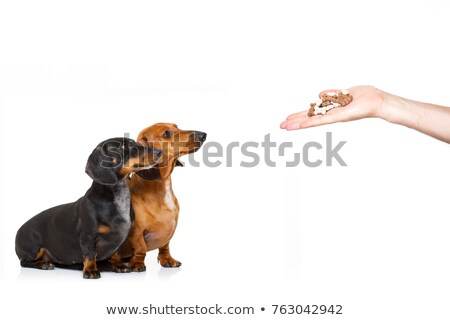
{"x": 367, "y": 102}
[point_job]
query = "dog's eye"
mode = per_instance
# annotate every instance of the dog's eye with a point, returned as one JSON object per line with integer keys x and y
{"x": 167, "y": 134}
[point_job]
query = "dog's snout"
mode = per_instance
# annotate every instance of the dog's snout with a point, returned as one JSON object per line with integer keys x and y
{"x": 199, "y": 136}
{"x": 157, "y": 153}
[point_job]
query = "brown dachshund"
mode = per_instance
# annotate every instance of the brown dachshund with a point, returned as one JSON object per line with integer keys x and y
{"x": 155, "y": 205}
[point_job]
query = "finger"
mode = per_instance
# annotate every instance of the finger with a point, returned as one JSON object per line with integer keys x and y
{"x": 293, "y": 122}
{"x": 298, "y": 114}
{"x": 293, "y": 125}
{"x": 330, "y": 117}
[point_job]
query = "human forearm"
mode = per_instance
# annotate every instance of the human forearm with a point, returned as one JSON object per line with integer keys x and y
{"x": 370, "y": 102}
{"x": 430, "y": 119}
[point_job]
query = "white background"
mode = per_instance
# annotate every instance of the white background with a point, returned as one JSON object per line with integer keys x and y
{"x": 372, "y": 236}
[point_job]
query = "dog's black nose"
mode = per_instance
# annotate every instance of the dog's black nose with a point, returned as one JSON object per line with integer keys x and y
{"x": 157, "y": 153}
{"x": 199, "y": 136}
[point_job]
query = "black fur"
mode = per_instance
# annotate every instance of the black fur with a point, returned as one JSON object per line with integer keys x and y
{"x": 69, "y": 233}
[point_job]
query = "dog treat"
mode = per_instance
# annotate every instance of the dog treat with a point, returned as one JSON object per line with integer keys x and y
{"x": 328, "y": 101}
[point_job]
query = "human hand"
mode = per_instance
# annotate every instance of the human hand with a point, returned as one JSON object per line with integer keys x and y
{"x": 367, "y": 102}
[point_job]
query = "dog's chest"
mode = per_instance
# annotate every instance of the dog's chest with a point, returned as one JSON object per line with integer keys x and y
{"x": 170, "y": 200}
{"x": 122, "y": 204}
{"x": 114, "y": 226}
{"x": 162, "y": 221}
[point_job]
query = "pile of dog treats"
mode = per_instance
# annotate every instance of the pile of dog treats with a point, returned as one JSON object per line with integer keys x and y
{"x": 328, "y": 101}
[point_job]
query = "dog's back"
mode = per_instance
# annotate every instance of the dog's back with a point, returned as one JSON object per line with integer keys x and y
{"x": 54, "y": 229}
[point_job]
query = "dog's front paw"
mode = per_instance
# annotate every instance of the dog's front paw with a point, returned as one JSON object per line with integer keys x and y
{"x": 137, "y": 266}
{"x": 47, "y": 265}
{"x": 168, "y": 262}
{"x": 121, "y": 269}
{"x": 91, "y": 274}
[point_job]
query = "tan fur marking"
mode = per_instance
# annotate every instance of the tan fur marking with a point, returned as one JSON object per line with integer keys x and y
{"x": 103, "y": 229}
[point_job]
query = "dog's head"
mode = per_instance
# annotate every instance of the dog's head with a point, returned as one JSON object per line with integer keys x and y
{"x": 114, "y": 159}
{"x": 173, "y": 142}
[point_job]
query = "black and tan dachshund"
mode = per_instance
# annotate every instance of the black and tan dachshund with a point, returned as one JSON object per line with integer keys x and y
{"x": 92, "y": 228}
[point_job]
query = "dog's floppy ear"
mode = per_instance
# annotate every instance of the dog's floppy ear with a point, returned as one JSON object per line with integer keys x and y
{"x": 100, "y": 168}
{"x": 178, "y": 163}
